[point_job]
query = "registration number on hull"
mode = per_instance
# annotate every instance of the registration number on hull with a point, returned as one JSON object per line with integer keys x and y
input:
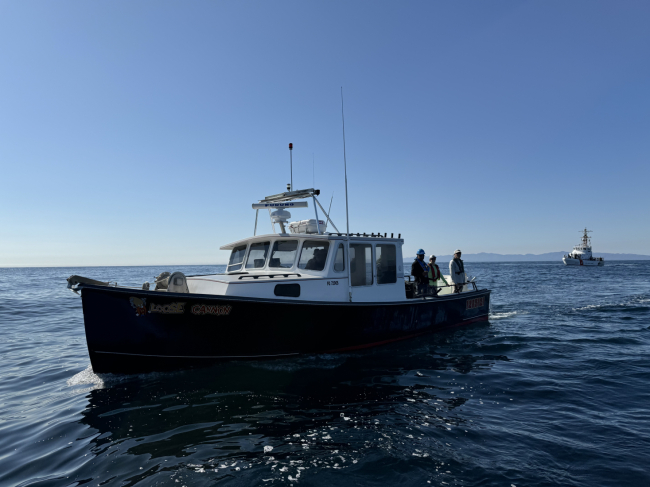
{"x": 474, "y": 303}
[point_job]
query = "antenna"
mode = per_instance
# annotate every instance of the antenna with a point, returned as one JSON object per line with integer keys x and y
{"x": 347, "y": 216}
{"x": 345, "y": 166}
{"x": 291, "y": 163}
{"x": 330, "y": 208}
{"x": 313, "y": 170}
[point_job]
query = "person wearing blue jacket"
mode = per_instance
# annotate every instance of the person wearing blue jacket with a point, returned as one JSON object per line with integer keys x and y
{"x": 420, "y": 271}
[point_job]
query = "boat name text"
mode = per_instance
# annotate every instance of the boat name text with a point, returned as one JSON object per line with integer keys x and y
{"x": 168, "y": 309}
{"x": 208, "y": 309}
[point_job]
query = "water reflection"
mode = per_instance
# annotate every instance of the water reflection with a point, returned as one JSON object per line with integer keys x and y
{"x": 287, "y": 419}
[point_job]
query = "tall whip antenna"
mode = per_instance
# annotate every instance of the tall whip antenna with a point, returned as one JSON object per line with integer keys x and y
{"x": 345, "y": 166}
{"x": 347, "y": 215}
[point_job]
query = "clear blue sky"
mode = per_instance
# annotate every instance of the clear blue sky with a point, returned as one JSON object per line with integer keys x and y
{"x": 141, "y": 132}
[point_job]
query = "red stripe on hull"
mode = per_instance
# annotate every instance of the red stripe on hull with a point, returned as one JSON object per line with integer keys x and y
{"x": 384, "y": 342}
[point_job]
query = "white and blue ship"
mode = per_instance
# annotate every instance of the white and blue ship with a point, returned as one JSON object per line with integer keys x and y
{"x": 581, "y": 253}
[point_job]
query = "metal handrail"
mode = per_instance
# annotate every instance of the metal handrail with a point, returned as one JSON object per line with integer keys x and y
{"x": 268, "y": 275}
{"x": 473, "y": 283}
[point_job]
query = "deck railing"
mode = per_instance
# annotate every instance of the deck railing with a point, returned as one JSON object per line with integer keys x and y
{"x": 430, "y": 292}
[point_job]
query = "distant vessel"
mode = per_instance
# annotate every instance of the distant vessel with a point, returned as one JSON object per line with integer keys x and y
{"x": 581, "y": 254}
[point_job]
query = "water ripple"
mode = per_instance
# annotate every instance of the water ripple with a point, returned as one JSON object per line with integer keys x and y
{"x": 552, "y": 391}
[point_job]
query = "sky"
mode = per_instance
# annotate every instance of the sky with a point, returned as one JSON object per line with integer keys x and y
{"x": 140, "y": 133}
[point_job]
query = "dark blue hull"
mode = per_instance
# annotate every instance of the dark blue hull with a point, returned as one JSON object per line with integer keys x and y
{"x": 131, "y": 331}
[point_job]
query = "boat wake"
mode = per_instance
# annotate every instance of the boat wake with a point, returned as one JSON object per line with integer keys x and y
{"x": 641, "y": 301}
{"x": 501, "y": 316}
{"x": 86, "y": 377}
{"x": 320, "y": 361}
{"x": 102, "y": 381}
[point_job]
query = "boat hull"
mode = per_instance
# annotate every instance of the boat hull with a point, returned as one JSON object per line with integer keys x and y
{"x": 130, "y": 331}
{"x": 578, "y": 262}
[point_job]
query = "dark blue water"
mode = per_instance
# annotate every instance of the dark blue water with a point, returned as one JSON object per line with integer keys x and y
{"x": 554, "y": 390}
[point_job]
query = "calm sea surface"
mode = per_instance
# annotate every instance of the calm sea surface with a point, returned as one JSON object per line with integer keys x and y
{"x": 554, "y": 390}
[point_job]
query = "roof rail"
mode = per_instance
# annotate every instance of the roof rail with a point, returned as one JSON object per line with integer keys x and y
{"x": 291, "y": 195}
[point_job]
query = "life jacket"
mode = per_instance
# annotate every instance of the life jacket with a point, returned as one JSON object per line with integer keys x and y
{"x": 423, "y": 265}
{"x": 434, "y": 274}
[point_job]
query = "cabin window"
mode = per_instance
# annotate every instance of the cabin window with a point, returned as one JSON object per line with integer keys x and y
{"x": 288, "y": 290}
{"x": 283, "y": 254}
{"x": 257, "y": 255}
{"x": 361, "y": 264}
{"x": 313, "y": 255}
{"x": 236, "y": 258}
{"x": 386, "y": 262}
{"x": 339, "y": 260}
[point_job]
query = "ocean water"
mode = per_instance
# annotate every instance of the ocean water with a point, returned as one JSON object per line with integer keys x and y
{"x": 553, "y": 390}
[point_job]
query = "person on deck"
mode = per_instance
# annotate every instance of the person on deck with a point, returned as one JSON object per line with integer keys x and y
{"x": 435, "y": 275}
{"x": 457, "y": 271}
{"x": 420, "y": 271}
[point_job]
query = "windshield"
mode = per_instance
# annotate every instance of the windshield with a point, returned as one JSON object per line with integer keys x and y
{"x": 283, "y": 254}
{"x": 236, "y": 258}
{"x": 313, "y": 255}
{"x": 257, "y": 255}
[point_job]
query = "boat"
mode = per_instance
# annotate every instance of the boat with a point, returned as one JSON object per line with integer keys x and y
{"x": 299, "y": 290}
{"x": 581, "y": 253}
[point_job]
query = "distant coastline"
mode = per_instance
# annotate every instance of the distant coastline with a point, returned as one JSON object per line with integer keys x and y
{"x": 547, "y": 257}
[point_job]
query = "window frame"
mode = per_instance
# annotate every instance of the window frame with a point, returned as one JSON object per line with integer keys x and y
{"x": 242, "y": 266}
{"x": 326, "y": 242}
{"x": 340, "y": 244}
{"x": 374, "y": 263}
{"x": 266, "y": 259}
{"x": 295, "y": 259}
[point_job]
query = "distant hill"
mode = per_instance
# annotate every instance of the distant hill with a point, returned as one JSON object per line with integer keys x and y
{"x": 549, "y": 256}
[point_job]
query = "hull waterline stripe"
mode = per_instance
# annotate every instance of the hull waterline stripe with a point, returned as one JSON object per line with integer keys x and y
{"x": 384, "y": 342}
{"x": 197, "y": 356}
{"x": 476, "y": 318}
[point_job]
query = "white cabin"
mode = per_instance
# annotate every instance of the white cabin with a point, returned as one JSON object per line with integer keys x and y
{"x": 307, "y": 264}
{"x": 309, "y": 267}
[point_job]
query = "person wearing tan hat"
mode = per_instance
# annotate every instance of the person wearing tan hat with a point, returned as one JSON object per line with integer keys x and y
{"x": 457, "y": 271}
